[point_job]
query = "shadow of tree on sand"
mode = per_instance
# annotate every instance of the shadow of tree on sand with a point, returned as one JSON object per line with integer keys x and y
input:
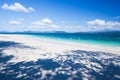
{"x": 78, "y": 66}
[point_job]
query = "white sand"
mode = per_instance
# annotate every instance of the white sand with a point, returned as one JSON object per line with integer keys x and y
{"x": 47, "y": 48}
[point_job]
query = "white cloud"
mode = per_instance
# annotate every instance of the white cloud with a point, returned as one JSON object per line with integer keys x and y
{"x": 75, "y": 28}
{"x": 55, "y": 26}
{"x": 98, "y": 24}
{"x": 17, "y": 7}
{"x": 47, "y": 21}
{"x": 31, "y": 9}
{"x": 39, "y": 23}
{"x": 43, "y": 22}
{"x": 112, "y": 24}
{"x": 16, "y": 22}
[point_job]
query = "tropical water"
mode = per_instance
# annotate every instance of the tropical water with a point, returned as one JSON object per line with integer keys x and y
{"x": 98, "y": 38}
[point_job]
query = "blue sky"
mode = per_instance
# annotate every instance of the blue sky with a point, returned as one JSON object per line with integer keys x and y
{"x": 60, "y": 15}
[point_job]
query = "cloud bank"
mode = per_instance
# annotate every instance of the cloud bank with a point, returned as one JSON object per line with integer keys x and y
{"x": 17, "y": 7}
{"x": 99, "y": 24}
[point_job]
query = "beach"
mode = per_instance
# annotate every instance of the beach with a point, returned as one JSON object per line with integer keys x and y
{"x": 50, "y": 56}
{"x": 49, "y": 47}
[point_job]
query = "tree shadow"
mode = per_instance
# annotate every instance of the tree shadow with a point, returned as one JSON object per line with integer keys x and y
{"x": 90, "y": 65}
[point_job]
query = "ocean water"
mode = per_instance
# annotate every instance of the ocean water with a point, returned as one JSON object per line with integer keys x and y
{"x": 98, "y": 38}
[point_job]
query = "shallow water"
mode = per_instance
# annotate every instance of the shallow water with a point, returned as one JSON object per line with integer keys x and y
{"x": 98, "y": 38}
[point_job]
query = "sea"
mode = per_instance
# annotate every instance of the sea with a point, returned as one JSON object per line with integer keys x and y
{"x": 97, "y": 38}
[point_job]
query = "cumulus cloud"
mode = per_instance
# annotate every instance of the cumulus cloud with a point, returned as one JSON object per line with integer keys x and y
{"x": 17, "y": 7}
{"x": 47, "y": 21}
{"x": 16, "y": 22}
{"x": 43, "y": 22}
{"x": 102, "y": 24}
{"x": 96, "y": 22}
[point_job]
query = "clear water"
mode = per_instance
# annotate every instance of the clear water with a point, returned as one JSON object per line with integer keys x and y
{"x": 99, "y": 38}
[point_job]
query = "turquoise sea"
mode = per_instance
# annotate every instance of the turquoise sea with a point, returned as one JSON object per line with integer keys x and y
{"x": 97, "y": 38}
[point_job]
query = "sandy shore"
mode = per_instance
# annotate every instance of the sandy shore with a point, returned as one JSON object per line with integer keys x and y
{"x": 47, "y": 48}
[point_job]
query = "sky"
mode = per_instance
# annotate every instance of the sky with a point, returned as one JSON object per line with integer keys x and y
{"x": 59, "y": 15}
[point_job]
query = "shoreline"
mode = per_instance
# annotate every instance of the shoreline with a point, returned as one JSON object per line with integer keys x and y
{"x": 89, "y": 42}
{"x": 81, "y": 41}
{"x": 57, "y": 45}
